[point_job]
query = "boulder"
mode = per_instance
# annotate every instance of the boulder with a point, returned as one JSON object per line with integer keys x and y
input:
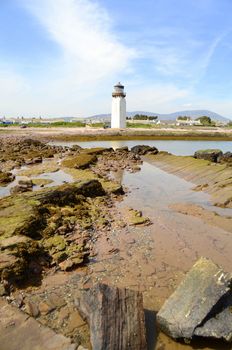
{"x": 25, "y": 182}
{"x": 209, "y": 154}
{"x": 5, "y": 178}
{"x": 24, "y": 185}
{"x": 81, "y": 161}
{"x": 187, "y": 308}
{"x": 142, "y": 150}
{"x": 226, "y": 158}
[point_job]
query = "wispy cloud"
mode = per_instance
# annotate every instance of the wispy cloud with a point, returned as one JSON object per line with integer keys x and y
{"x": 155, "y": 97}
{"x": 83, "y": 30}
{"x": 162, "y": 59}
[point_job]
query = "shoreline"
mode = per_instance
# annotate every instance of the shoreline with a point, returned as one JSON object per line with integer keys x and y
{"x": 98, "y": 134}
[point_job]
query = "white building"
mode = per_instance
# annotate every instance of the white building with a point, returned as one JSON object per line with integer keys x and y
{"x": 118, "y": 116}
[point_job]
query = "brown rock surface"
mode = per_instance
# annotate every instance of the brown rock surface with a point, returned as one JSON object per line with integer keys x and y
{"x": 18, "y": 331}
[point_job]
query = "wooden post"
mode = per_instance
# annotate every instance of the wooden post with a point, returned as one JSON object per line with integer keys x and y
{"x": 115, "y": 317}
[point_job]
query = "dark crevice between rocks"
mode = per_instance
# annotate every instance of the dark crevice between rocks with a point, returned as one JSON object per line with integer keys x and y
{"x": 152, "y": 332}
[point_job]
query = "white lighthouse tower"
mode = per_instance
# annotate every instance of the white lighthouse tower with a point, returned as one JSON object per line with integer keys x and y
{"x": 118, "y": 117}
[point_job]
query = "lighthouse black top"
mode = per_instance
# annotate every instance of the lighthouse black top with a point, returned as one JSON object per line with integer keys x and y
{"x": 118, "y": 91}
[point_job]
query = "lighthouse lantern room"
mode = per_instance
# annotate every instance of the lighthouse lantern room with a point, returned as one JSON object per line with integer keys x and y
{"x": 118, "y": 117}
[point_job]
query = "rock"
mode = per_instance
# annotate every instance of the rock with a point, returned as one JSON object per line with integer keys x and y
{"x": 32, "y": 309}
{"x": 115, "y": 317}
{"x": 122, "y": 149}
{"x": 26, "y": 182}
{"x": 18, "y": 331}
{"x": 70, "y": 263}
{"x": 225, "y": 158}
{"x": 219, "y": 323}
{"x": 45, "y": 308}
{"x": 75, "y": 321}
{"x": 142, "y": 150}
{"x": 81, "y": 161}
{"x": 13, "y": 242}
{"x": 37, "y": 160}
{"x": 75, "y": 148}
{"x": 29, "y": 223}
{"x": 209, "y": 154}
{"x": 204, "y": 285}
{"x": 5, "y": 178}
{"x": 24, "y": 185}
{"x": 134, "y": 217}
{"x": 3, "y": 291}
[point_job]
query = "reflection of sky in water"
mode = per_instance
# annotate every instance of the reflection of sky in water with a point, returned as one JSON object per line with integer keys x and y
{"x": 175, "y": 147}
{"x": 155, "y": 189}
{"x": 59, "y": 177}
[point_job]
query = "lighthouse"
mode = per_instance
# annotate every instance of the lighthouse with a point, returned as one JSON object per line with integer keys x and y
{"x": 118, "y": 116}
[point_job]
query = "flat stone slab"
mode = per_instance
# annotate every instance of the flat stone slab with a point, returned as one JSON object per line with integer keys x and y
{"x": 204, "y": 285}
{"x": 19, "y": 331}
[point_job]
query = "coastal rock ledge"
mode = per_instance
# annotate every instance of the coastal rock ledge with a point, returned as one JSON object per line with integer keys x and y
{"x": 201, "y": 305}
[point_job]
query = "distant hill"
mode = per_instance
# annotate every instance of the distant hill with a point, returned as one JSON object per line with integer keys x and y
{"x": 171, "y": 116}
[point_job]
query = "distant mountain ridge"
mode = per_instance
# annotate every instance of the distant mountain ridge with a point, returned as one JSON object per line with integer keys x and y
{"x": 172, "y": 116}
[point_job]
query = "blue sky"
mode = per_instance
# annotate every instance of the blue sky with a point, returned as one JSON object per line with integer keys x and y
{"x": 62, "y": 57}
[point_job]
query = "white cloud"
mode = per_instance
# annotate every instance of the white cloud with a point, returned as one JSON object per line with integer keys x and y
{"x": 77, "y": 81}
{"x": 83, "y": 30}
{"x": 155, "y": 98}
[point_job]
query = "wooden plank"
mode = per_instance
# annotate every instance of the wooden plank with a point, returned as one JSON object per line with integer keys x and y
{"x": 115, "y": 317}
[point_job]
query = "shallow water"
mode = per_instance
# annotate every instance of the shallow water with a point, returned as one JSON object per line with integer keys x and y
{"x": 155, "y": 258}
{"x": 58, "y": 178}
{"x": 181, "y": 148}
{"x": 156, "y": 189}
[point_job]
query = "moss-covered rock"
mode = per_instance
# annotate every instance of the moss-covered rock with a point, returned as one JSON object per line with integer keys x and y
{"x": 135, "y": 217}
{"x": 41, "y": 182}
{"x": 33, "y": 226}
{"x": 208, "y": 154}
{"x": 5, "y": 178}
{"x": 96, "y": 150}
{"x": 81, "y": 161}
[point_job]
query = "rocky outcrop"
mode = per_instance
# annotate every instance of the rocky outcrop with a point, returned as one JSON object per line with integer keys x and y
{"x": 17, "y": 152}
{"x": 209, "y": 154}
{"x": 142, "y": 150}
{"x": 199, "y": 306}
{"x": 35, "y": 228}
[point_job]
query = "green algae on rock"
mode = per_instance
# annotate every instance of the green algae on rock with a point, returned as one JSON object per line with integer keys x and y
{"x": 81, "y": 161}
{"x": 5, "y": 178}
{"x": 31, "y": 227}
{"x": 135, "y": 217}
{"x": 41, "y": 182}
